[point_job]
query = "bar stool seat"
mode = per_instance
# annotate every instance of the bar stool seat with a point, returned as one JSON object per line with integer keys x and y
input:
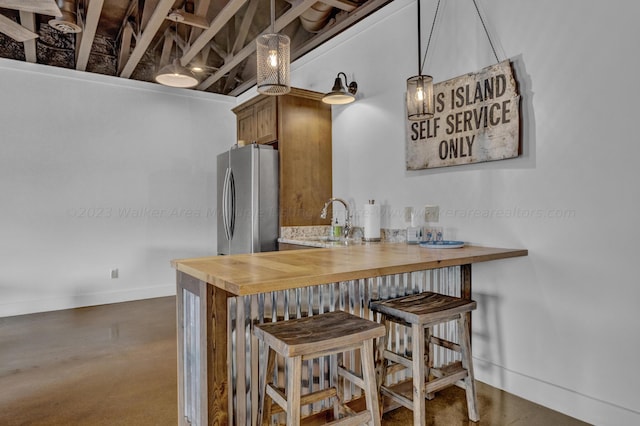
{"x": 313, "y": 337}
{"x": 420, "y": 312}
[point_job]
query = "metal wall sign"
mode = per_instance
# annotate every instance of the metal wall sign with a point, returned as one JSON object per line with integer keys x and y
{"x": 477, "y": 119}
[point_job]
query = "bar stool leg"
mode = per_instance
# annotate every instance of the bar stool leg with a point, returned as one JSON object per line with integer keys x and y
{"x": 418, "y": 367}
{"x": 371, "y": 389}
{"x": 337, "y": 361}
{"x": 428, "y": 359}
{"x": 264, "y": 404}
{"x": 294, "y": 371}
{"x": 380, "y": 362}
{"x": 467, "y": 363}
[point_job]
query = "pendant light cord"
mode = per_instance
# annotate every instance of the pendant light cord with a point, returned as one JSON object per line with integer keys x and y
{"x": 433, "y": 24}
{"x": 486, "y": 31}
{"x": 422, "y": 61}
{"x": 273, "y": 16}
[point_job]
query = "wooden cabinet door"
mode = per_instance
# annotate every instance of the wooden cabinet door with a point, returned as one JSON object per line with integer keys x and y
{"x": 266, "y": 120}
{"x": 247, "y": 125}
{"x": 305, "y": 159}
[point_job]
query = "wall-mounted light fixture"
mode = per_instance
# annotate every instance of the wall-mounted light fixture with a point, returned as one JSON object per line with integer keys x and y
{"x": 420, "y": 87}
{"x": 340, "y": 95}
{"x": 174, "y": 74}
{"x": 273, "y": 68}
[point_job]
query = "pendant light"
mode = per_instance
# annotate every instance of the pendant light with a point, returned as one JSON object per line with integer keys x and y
{"x": 273, "y": 68}
{"x": 174, "y": 74}
{"x": 420, "y": 87}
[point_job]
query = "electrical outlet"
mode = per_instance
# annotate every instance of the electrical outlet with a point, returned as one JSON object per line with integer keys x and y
{"x": 431, "y": 214}
{"x": 114, "y": 273}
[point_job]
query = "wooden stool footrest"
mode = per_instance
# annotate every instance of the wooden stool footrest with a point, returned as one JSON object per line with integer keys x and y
{"x": 397, "y": 397}
{"x": 442, "y": 382}
{"x": 445, "y": 343}
{"x": 397, "y": 358}
{"x": 355, "y": 420}
{"x": 351, "y": 376}
{"x": 279, "y": 397}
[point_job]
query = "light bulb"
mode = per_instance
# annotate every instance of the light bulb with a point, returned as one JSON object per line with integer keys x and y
{"x": 419, "y": 93}
{"x": 273, "y": 58}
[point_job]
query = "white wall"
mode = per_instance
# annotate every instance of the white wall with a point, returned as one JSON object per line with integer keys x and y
{"x": 98, "y": 173}
{"x": 561, "y": 326}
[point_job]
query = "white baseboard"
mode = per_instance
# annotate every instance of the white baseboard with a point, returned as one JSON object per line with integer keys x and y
{"x": 558, "y": 398}
{"x": 81, "y": 300}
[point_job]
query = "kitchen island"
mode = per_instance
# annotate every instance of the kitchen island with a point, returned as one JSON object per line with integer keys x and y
{"x": 220, "y": 297}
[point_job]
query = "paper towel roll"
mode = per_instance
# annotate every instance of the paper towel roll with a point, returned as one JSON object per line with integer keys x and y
{"x": 371, "y": 218}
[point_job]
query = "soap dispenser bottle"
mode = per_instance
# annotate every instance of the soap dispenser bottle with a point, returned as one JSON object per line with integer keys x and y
{"x": 335, "y": 232}
{"x": 414, "y": 232}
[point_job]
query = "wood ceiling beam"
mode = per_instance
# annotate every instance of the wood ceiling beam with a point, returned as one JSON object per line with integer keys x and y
{"x": 296, "y": 9}
{"x": 88, "y": 33}
{"x": 165, "y": 56}
{"x": 245, "y": 25}
{"x": 346, "y": 5}
{"x": 241, "y": 39}
{"x": 15, "y": 30}
{"x": 44, "y": 7}
{"x": 207, "y": 35}
{"x": 145, "y": 14}
{"x": 340, "y": 25}
{"x": 152, "y": 27}
{"x": 202, "y": 7}
{"x": 28, "y": 20}
{"x": 125, "y": 45}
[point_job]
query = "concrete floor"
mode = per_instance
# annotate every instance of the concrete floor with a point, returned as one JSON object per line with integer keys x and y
{"x": 116, "y": 365}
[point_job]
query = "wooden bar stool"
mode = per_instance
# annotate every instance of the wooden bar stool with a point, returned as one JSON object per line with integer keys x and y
{"x": 313, "y": 337}
{"x": 420, "y": 312}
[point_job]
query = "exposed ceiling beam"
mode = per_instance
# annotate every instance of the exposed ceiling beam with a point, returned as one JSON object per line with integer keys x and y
{"x": 155, "y": 21}
{"x": 216, "y": 25}
{"x": 202, "y": 7}
{"x": 145, "y": 14}
{"x": 240, "y": 40}
{"x": 289, "y": 16}
{"x": 345, "y": 5}
{"x": 125, "y": 45}
{"x": 165, "y": 56}
{"x": 189, "y": 19}
{"x": 44, "y": 7}
{"x": 245, "y": 25}
{"x": 329, "y": 31}
{"x": 28, "y": 20}
{"x": 15, "y": 30}
{"x": 88, "y": 33}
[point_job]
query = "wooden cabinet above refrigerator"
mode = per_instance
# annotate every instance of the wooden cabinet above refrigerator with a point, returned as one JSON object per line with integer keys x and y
{"x": 298, "y": 124}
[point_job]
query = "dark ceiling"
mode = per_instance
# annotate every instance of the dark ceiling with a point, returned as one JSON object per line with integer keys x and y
{"x": 134, "y": 38}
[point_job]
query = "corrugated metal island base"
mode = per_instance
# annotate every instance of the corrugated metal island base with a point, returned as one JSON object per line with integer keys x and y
{"x": 220, "y": 297}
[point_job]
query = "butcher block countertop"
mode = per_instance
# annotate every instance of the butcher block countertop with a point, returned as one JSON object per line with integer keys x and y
{"x": 245, "y": 274}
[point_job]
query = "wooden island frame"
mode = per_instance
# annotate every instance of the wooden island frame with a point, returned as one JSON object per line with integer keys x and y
{"x": 219, "y": 298}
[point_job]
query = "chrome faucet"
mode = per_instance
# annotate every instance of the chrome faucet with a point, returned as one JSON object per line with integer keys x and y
{"x": 347, "y": 221}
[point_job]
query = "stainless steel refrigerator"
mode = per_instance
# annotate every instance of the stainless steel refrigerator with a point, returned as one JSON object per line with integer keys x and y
{"x": 247, "y": 179}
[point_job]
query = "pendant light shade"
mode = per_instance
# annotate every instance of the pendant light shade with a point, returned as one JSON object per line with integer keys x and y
{"x": 420, "y": 87}
{"x": 175, "y": 75}
{"x": 420, "y": 97}
{"x": 273, "y": 71}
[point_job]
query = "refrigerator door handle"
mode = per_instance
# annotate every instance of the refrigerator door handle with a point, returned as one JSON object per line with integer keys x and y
{"x": 232, "y": 210}
{"x": 225, "y": 204}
